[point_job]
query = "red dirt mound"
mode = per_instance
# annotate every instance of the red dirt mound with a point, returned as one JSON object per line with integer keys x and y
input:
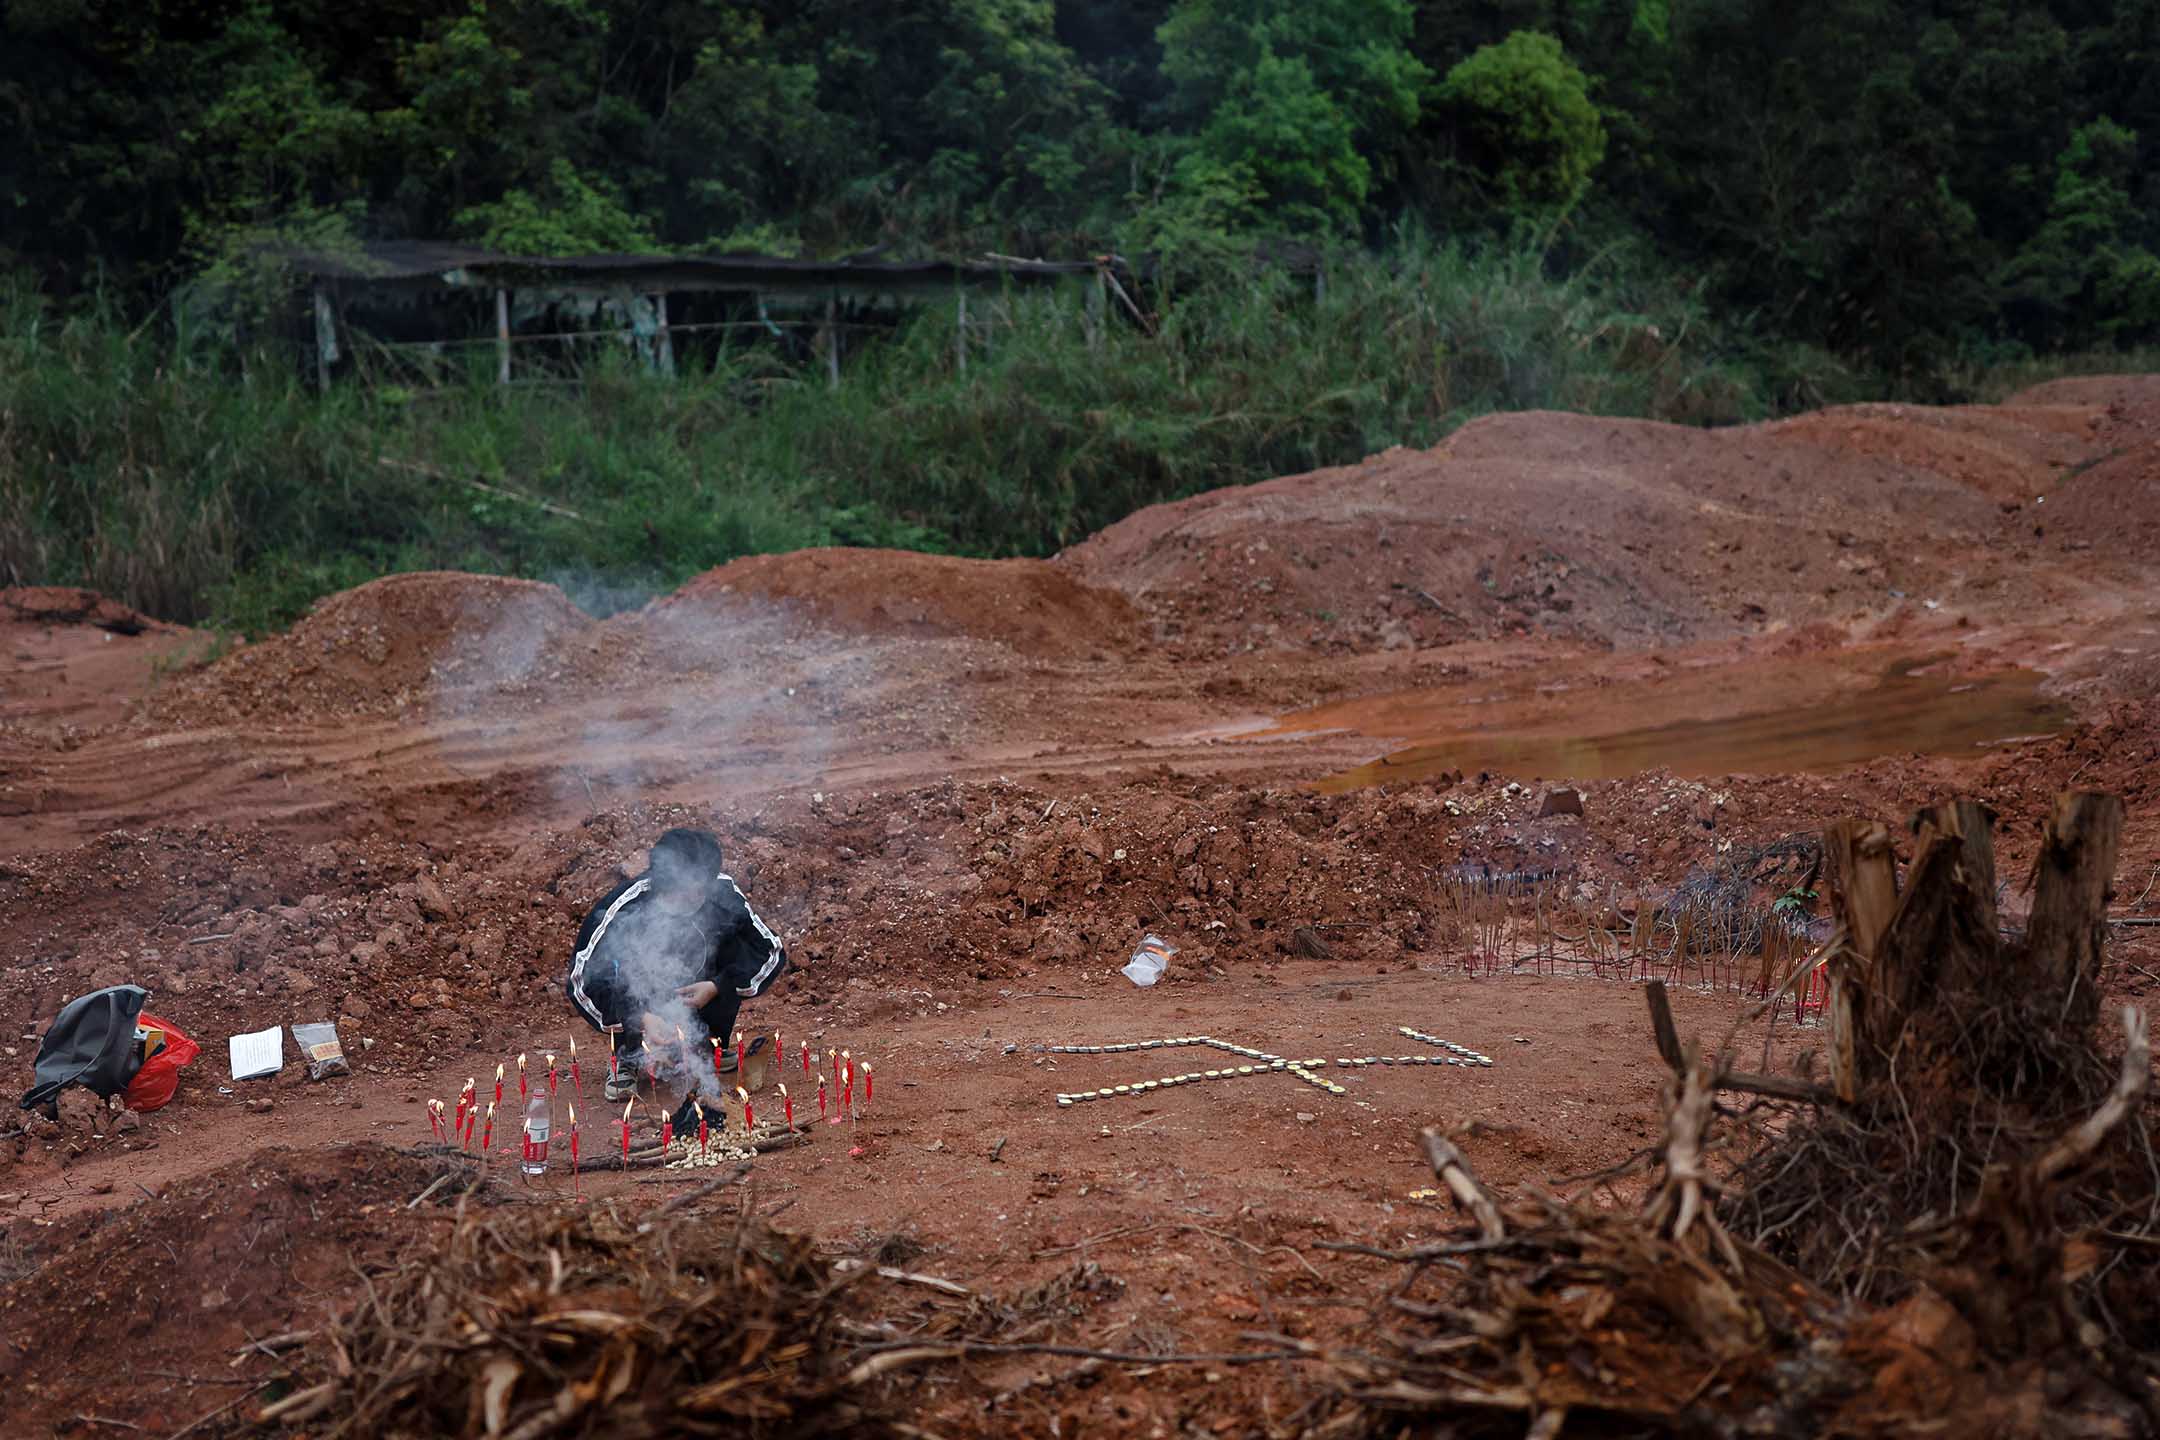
{"x": 2137, "y": 395}
{"x": 181, "y": 1282}
{"x": 1026, "y": 605}
{"x": 2006, "y": 454}
{"x": 58, "y": 605}
{"x": 1615, "y": 532}
{"x": 434, "y": 640}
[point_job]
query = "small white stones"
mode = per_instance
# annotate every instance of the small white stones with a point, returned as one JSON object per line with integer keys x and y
{"x": 1244, "y": 1069}
{"x": 1065, "y": 1102}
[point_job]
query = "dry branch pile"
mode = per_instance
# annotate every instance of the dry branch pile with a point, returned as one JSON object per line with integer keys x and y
{"x": 1958, "y": 1231}
{"x": 542, "y": 1323}
{"x": 1592, "y": 1320}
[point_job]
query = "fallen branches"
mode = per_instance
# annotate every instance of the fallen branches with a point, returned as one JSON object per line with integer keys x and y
{"x": 1454, "y": 1172}
{"x": 539, "y": 1323}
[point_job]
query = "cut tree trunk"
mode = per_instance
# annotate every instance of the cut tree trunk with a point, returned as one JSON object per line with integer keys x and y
{"x": 1866, "y": 899}
{"x": 2072, "y": 880}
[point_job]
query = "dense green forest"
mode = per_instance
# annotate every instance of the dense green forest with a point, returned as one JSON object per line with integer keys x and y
{"x": 1699, "y": 209}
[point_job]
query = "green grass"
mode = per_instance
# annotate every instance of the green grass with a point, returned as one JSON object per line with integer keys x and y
{"x": 209, "y": 487}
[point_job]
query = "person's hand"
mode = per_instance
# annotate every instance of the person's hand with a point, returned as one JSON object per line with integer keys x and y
{"x": 698, "y": 994}
{"x": 652, "y": 1027}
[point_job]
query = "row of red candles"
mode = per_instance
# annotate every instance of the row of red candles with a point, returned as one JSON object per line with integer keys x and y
{"x": 469, "y": 1115}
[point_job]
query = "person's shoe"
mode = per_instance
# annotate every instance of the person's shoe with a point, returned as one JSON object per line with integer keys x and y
{"x": 728, "y": 1064}
{"x": 620, "y": 1086}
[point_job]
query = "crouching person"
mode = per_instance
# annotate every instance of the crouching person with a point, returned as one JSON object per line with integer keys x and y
{"x": 678, "y": 946}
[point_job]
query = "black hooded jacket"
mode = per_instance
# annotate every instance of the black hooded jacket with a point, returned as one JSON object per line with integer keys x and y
{"x": 629, "y": 934}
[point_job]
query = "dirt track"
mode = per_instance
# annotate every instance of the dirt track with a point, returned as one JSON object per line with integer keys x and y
{"x": 964, "y": 789}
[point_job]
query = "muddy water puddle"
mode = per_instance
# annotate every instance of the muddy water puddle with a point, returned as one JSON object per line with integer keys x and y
{"x": 1811, "y": 714}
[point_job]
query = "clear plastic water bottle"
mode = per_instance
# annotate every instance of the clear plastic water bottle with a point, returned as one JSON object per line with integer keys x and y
{"x": 539, "y": 1121}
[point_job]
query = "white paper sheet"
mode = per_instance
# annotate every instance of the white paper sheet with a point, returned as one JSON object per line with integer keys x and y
{"x": 262, "y": 1053}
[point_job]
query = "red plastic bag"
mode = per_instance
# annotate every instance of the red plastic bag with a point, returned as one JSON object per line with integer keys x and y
{"x": 159, "y": 1077}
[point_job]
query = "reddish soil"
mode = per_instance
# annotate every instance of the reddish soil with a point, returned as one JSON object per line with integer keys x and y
{"x": 964, "y": 790}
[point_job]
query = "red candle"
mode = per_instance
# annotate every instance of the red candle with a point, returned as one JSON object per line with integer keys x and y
{"x": 498, "y": 1084}
{"x": 821, "y": 1097}
{"x": 869, "y": 1086}
{"x": 806, "y": 1059}
{"x": 626, "y": 1133}
{"x": 434, "y": 1122}
{"x": 717, "y": 1055}
{"x": 789, "y": 1104}
{"x": 702, "y": 1131}
{"x": 551, "y": 1077}
{"x": 487, "y": 1135}
{"x": 667, "y": 1132}
{"x": 747, "y": 1123}
{"x": 847, "y": 1095}
{"x": 521, "y": 1080}
{"x": 576, "y": 1087}
{"x": 575, "y": 1187}
{"x": 836, "y": 1069}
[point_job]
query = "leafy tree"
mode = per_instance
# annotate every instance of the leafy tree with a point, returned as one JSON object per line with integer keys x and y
{"x": 1532, "y": 133}
{"x": 1300, "y": 103}
{"x": 2084, "y": 276}
{"x": 570, "y": 216}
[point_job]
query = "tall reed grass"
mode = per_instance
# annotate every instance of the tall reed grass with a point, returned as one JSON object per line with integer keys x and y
{"x": 203, "y": 485}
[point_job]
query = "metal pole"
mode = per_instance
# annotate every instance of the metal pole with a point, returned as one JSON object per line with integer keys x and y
{"x": 502, "y": 337}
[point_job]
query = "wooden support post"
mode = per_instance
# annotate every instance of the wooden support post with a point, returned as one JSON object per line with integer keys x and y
{"x": 664, "y": 342}
{"x": 959, "y": 343}
{"x": 502, "y": 337}
{"x": 2073, "y": 877}
{"x": 1098, "y": 307}
{"x": 832, "y": 343}
{"x": 326, "y": 345}
{"x": 1866, "y": 899}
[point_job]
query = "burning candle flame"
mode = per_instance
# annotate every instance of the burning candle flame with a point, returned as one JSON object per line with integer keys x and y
{"x": 521, "y": 1059}
{"x": 783, "y": 1090}
{"x": 498, "y": 1072}
{"x": 551, "y": 1062}
{"x": 573, "y": 1117}
{"x": 626, "y": 1111}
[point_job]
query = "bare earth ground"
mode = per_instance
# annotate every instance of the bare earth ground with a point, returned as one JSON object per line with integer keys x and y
{"x": 964, "y": 790}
